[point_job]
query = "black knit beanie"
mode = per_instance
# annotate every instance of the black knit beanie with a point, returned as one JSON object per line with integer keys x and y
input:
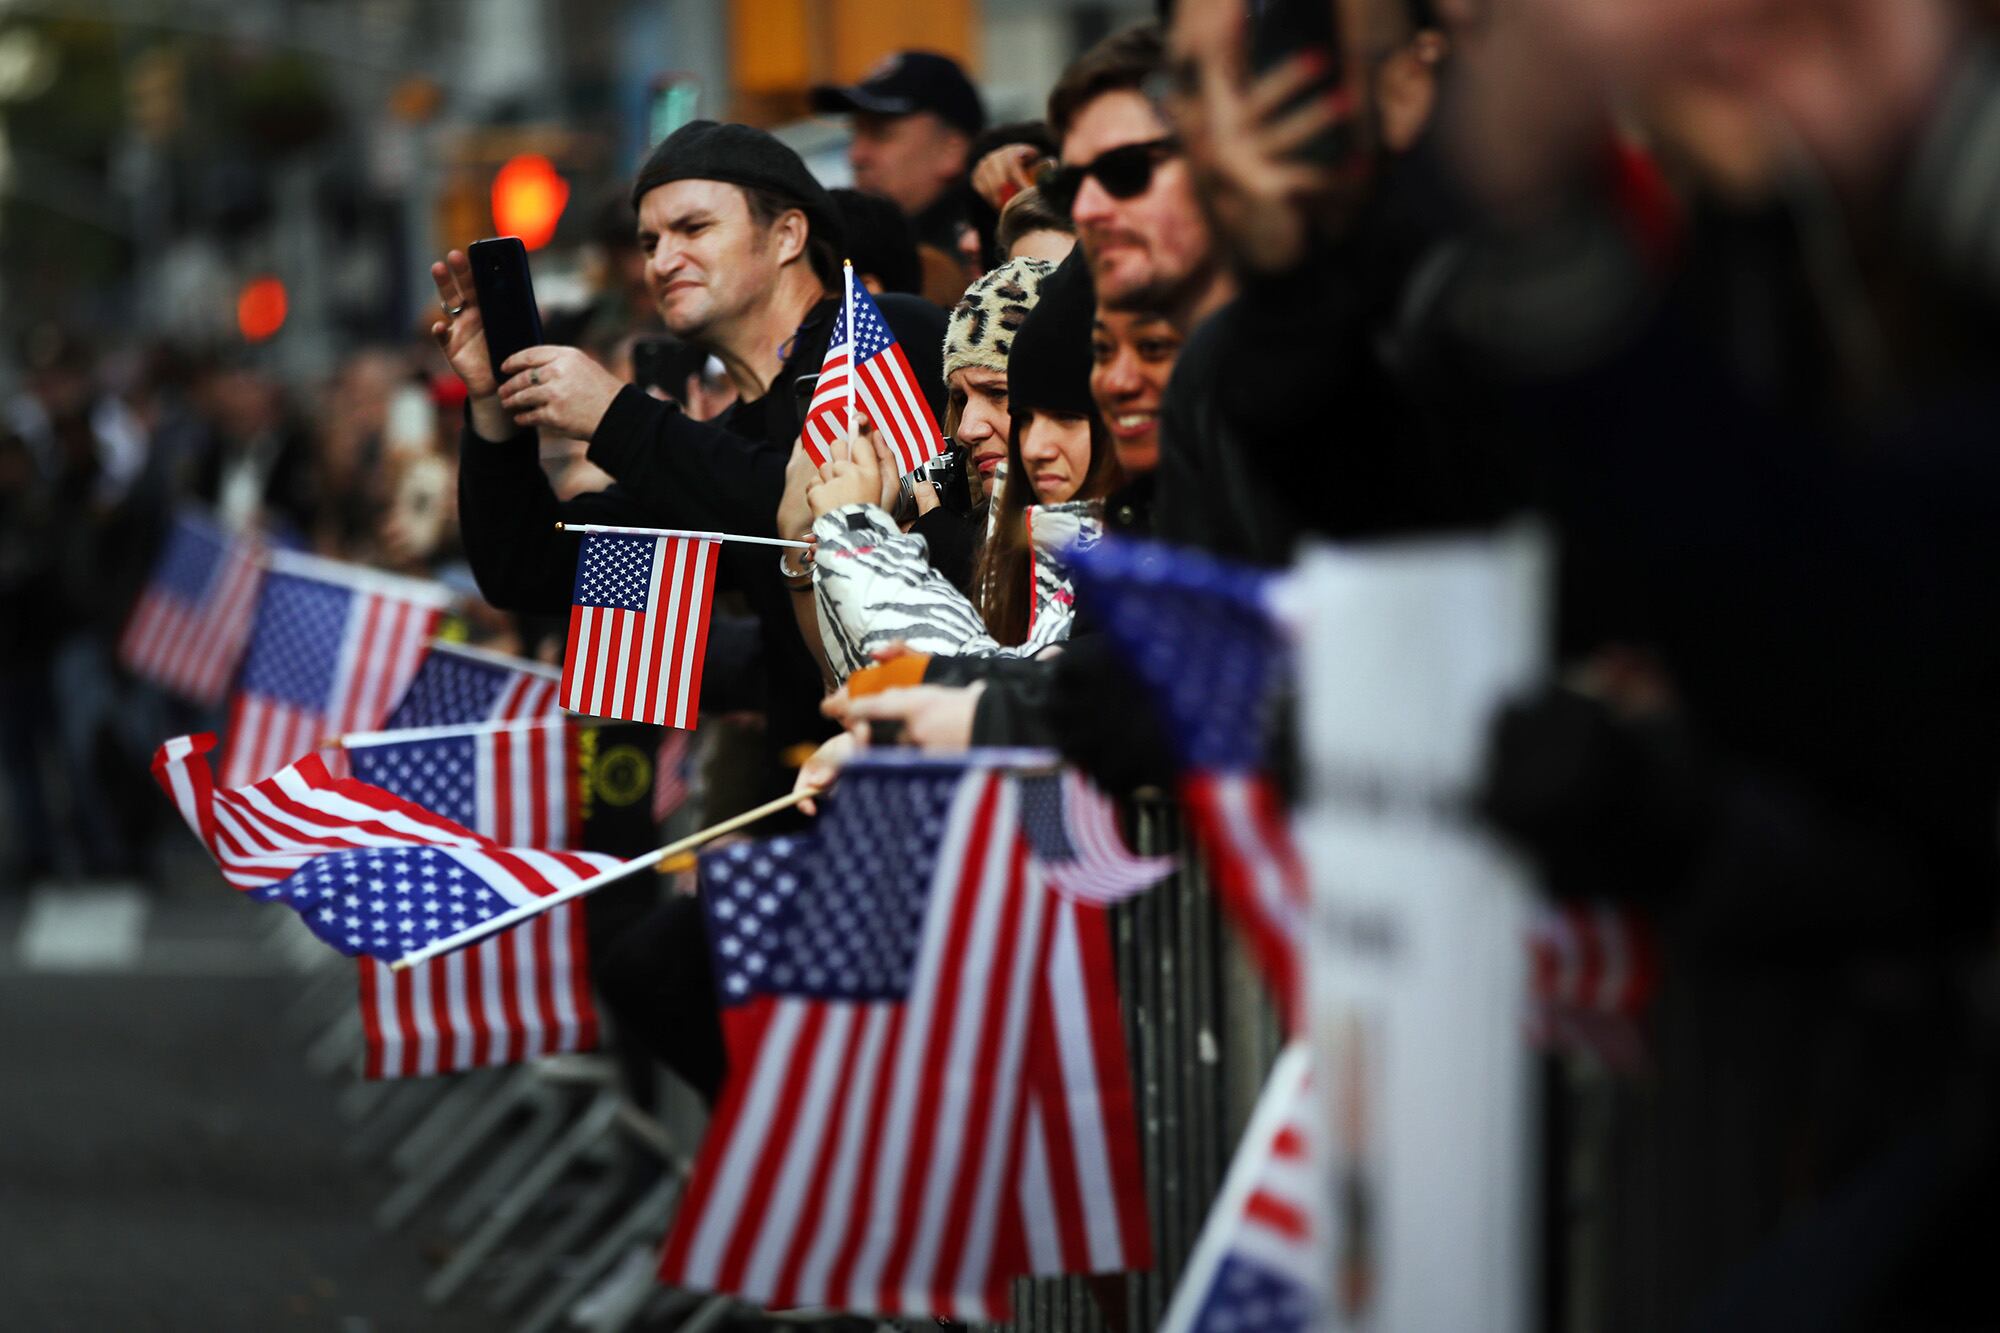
{"x": 739, "y": 155}
{"x": 1049, "y": 368}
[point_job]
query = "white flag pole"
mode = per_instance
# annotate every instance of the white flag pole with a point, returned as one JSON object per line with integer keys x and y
{"x": 853, "y": 371}
{"x": 679, "y": 532}
{"x": 516, "y": 915}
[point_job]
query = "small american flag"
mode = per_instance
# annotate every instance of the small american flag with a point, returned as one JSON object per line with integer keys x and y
{"x": 189, "y": 628}
{"x": 524, "y": 992}
{"x": 878, "y": 979}
{"x": 1593, "y": 971}
{"x": 638, "y": 628}
{"x": 334, "y": 647}
{"x": 1262, "y": 1262}
{"x": 1074, "y": 830}
{"x": 1201, "y": 636}
{"x": 459, "y": 683}
{"x": 369, "y": 872}
{"x": 885, "y": 389}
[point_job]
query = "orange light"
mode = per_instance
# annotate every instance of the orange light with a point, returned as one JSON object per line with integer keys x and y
{"x": 528, "y": 199}
{"x": 260, "y": 309}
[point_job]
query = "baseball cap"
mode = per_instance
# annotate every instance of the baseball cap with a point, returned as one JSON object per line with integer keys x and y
{"x": 908, "y": 82}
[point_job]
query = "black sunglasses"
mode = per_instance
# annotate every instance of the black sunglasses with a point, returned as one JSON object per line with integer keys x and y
{"x": 1124, "y": 172}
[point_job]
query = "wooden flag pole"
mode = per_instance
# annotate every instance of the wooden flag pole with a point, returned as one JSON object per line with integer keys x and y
{"x": 678, "y": 532}
{"x": 514, "y": 916}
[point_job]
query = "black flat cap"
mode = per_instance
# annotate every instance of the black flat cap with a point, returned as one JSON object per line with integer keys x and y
{"x": 703, "y": 150}
{"x": 908, "y": 82}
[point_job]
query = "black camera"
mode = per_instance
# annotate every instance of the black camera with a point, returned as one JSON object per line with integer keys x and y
{"x": 950, "y": 471}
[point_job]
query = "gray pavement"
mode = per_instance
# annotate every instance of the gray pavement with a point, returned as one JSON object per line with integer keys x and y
{"x": 166, "y": 1161}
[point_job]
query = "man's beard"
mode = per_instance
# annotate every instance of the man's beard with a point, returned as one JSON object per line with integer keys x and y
{"x": 1166, "y": 293}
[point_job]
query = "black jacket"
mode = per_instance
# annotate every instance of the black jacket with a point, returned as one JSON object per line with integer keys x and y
{"x": 725, "y": 475}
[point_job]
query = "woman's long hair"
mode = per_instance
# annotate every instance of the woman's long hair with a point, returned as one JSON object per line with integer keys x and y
{"x": 1003, "y": 575}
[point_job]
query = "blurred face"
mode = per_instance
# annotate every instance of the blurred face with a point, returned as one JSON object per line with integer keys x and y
{"x": 708, "y": 262}
{"x": 1131, "y": 357}
{"x": 979, "y": 398}
{"x": 1153, "y": 249}
{"x": 1055, "y": 451}
{"x": 910, "y": 159}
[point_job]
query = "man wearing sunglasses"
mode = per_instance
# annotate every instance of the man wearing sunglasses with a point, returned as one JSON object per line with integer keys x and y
{"x": 1127, "y": 186}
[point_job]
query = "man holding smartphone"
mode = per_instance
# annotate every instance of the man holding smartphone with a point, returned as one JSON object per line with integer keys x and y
{"x": 742, "y": 259}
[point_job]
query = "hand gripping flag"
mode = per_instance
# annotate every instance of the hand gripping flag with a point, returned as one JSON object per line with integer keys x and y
{"x": 1200, "y": 634}
{"x": 457, "y": 683}
{"x": 884, "y": 980}
{"x": 369, "y": 872}
{"x": 1261, "y": 1263}
{"x": 524, "y": 992}
{"x": 866, "y": 374}
{"x": 638, "y": 626}
{"x": 333, "y": 649}
{"x": 189, "y": 627}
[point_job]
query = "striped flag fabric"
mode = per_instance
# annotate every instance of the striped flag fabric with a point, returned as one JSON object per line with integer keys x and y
{"x": 457, "y": 682}
{"x": 1201, "y": 635}
{"x": 1593, "y": 971}
{"x": 524, "y": 992}
{"x": 878, "y": 980}
{"x": 1082, "y": 1187}
{"x": 189, "y": 628}
{"x": 867, "y": 358}
{"x": 1263, "y": 1262}
{"x": 333, "y": 648}
{"x": 368, "y": 872}
{"x": 1073, "y": 828}
{"x": 638, "y": 627}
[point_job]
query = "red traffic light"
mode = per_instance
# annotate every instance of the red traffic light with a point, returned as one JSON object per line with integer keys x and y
{"x": 528, "y": 199}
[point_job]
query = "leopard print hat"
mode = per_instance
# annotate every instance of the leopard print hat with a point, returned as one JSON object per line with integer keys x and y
{"x": 983, "y": 324}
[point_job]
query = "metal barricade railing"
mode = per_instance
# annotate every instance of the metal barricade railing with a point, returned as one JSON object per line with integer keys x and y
{"x": 1202, "y": 1034}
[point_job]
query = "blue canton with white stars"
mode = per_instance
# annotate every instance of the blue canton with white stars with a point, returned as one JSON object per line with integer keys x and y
{"x": 188, "y": 566}
{"x": 295, "y": 647}
{"x": 614, "y": 571}
{"x": 441, "y": 775}
{"x": 387, "y": 901}
{"x": 872, "y": 336}
{"x": 449, "y": 689}
{"x": 1042, "y": 818}
{"x": 1198, "y": 632}
{"x": 1249, "y": 1297}
{"x": 837, "y": 914}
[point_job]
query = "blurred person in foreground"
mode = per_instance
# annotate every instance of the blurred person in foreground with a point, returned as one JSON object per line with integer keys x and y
{"x": 742, "y": 258}
{"x": 914, "y": 118}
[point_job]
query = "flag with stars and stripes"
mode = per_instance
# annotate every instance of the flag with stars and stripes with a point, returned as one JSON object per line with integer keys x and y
{"x": 457, "y": 682}
{"x": 524, "y": 992}
{"x": 1593, "y": 969}
{"x": 188, "y": 630}
{"x": 1074, "y": 830}
{"x": 368, "y": 872}
{"x": 878, "y": 978}
{"x": 333, "y": 647}
{"x": 638, "y": 627}
{"x": 871, "y": 366}
{"x": 903, "y": 996}
{"x": 1263, "y": 1261}
{"x": 1202, "y": 637}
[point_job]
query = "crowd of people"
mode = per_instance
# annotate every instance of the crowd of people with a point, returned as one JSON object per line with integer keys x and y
{"x": 1702, "y": 284}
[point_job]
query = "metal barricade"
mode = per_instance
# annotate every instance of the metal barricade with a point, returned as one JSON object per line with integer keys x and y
{"x": 1202, "y": 1034}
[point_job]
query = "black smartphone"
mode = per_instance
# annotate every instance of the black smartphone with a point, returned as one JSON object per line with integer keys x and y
{"x": 662, "y": 361}
{"x": 1280, "y": 29}
{"x": 506, "y": 298}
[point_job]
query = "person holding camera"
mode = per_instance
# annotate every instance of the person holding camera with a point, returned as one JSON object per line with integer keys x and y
{"x": 874, "y": 584}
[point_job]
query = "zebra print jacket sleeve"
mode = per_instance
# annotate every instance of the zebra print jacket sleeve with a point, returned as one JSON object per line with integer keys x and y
{"x": 874, "y": 585}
